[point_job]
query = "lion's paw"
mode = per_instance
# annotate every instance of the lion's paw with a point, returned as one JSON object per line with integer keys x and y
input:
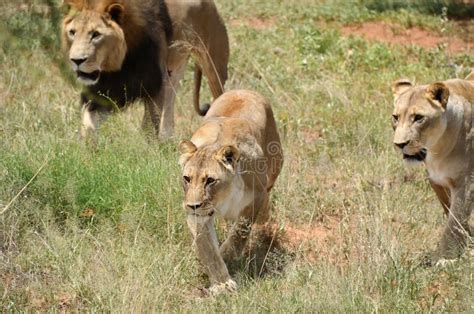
{"x": 443, "y": 262}
{"x": 228, "y": 286}
{"x": 436, "y": 259}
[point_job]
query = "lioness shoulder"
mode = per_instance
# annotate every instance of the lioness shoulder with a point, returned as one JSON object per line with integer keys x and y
{"x": 229, "y": 168}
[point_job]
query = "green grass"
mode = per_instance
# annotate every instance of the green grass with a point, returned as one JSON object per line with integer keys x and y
{"x": 332, "y": 100}
{"x": 453, "y": 8}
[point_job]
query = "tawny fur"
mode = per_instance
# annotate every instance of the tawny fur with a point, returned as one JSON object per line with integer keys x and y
{"x": 229, "y": 168}
{"x": 438, "y": 118}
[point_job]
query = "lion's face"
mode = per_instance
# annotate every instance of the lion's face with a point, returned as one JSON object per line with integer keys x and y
{"x": 208, "y": 176}
{"x": 95, "y": 42}
{"x": 418, "y": 118}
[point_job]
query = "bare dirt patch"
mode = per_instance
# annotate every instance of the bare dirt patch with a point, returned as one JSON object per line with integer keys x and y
{"x": 466, "y": 30}
{"x": 396, "y": 34}
{"x": 271, "y": 246}
{"x": 316, "y": 240}
{"x": 257, "y": 23}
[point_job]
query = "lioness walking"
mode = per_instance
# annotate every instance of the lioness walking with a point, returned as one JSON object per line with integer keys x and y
{"x": 229, "y": 167}
{"x": 433, "y": 124}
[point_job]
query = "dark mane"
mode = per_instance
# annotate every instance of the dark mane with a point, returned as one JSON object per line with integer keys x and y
{"x": 140, "y": 76}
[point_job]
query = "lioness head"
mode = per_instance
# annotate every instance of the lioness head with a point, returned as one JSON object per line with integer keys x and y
{"x": 418, "y": 118}
{"x": 208, "y": 175}
{"x": 92, "y": 35}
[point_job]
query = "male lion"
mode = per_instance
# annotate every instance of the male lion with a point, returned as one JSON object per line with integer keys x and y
{"x": 433, "y": 124}
{"x": 229, "y": 167}
{"x": 124, "y": 50}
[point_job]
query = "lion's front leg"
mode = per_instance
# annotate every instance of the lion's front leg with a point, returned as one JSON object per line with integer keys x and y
{"x": 207, "y": 249}
{"x": 234, "y": 244}
{"x": 238, "y": 237}
{"x": 443, "y": 195}
{"x": 457, "y": 231}
{"x": 154, "y": 103}
{"x": 152, "y": 114}
{"x": 171, "y": 89}
{"x": 92, "y": 118}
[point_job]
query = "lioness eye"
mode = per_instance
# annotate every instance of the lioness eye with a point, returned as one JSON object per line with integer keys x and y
{"x": 95, "y": 34}
{"x": 210, "y": 181}
{"x": 72, "y": 32}
{"x": 395, "y": 117}
{"x": 186, "y": 179}
{"x": 418, "y": 118}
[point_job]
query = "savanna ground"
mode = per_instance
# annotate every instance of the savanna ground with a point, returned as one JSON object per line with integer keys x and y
{"x": 103, "y": 229}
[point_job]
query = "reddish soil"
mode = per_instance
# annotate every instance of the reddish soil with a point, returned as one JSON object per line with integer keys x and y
{"x": 297, "y": 235}
{"x": 396, "y": 34}
{"x": 316, "y": 240}
{"x": 258, "y": 23}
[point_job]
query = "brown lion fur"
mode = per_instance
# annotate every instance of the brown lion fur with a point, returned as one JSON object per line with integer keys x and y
{"x": 144, "y": 24}
{"x": 125, "y": 50}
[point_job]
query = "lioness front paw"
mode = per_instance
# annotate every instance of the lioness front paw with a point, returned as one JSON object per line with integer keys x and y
{"x": 438, "y": 260}
{"x": 228, "y": 286}
{"x": 443, "y": 262}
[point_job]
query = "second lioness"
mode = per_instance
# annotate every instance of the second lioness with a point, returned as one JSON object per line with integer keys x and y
{"x": 433, "y": 124}
{"x": 229, "y": 167}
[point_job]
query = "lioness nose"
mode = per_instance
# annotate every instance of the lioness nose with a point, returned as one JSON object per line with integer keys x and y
{"x": 194, "y": 206}
{"x": 401, "y": 145}
{"x": 78, "y": 62}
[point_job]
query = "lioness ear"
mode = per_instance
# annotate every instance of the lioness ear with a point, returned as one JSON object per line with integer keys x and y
{"x": 399, "y": 86}
{"x": 115, "y": 10}
{"x": 228, "y": 156}
{"x": 187, "y": 149}
{"x": 438, "y": 93}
